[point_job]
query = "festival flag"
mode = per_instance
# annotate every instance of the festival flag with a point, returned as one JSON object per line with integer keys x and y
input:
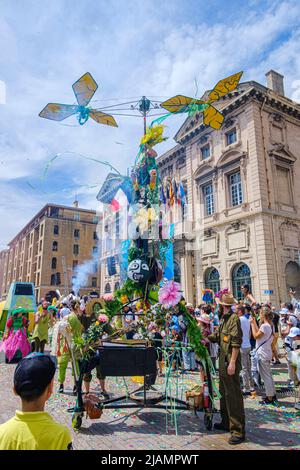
{"x": 168, "y": 194}
{"x": 182, "y": 194}
{"x": 119, "y": 201}
{"x": 162, "y": 196}
{"x": 171, "y": 194}
{"x": 174, "y": 186}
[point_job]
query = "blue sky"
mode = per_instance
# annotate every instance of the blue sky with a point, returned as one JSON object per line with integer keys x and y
{"x": 132, "y": 48}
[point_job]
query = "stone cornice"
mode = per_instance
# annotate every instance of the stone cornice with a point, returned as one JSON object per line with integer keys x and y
{"x": 256, "y": 92}
{"x": 170, "y": 155}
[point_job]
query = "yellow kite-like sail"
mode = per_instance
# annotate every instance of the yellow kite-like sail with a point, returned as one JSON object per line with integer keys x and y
{"x": 212, "y": 117}
{"x": 224, "y": 86}
{"x": 179, "y": 103}
{"x": 84, "y": 89}
{"x": 103, "y": 118}
{"x": 57, "y": 111}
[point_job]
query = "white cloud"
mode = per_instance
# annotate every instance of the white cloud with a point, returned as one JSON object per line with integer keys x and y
{"x": 132, "y": 49}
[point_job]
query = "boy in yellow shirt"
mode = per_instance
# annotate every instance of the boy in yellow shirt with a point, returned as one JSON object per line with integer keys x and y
{"x": 33, "y": 428}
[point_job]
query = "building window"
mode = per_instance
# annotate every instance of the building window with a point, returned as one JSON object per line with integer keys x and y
{"x": 75, "y": 264}
{"x": 95, "y": 250}
{"x": 41, "y": 230}
{"x": 77, "y": 216}
{"x": 54, "y": 246}
{"x": 41, "y": 245}
{"x": 54, "y": 263}
{"x": 205, "y": 152}
{"x": 95, "y": 267}
{"x": 95, "y": 236}
{"x": 54, "y": 212}
{"x": 241, "y": 275}
{"x": 209, "y": 207}
{"x": 117, "y": 285}
{"x": 53, "y": 279}
{"x": 76, "y": 233}
{"x": 56, "y": 230}
{"x": 235, "y": 187}
{"x": 107, "y": 289}
{"x": 292, "y": 277}
{"x": 76, "y": 249}
{"x": 284, "y": 186}
{"x": 94, "y": 282}
{"x": 212, "y": 279}
{"x": 231, "y": 137}
{"x": 95, "y": 219}
{"x": 177, "y": 272}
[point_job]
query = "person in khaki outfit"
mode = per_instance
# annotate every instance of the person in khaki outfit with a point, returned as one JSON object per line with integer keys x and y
{"x": 229, "y": 338}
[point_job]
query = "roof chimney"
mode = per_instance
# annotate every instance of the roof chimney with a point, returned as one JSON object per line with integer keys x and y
{"x": 275, "y": 82}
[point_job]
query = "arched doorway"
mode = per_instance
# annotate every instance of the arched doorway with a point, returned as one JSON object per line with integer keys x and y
{"x": 241, "y": 275}
{"x": 292, "y": 277}
{"x": 212, "y": 279}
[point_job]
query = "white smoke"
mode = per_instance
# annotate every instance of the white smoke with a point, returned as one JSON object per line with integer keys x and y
{"x": 82, "y": 273}
{"x": 86, "y": 269}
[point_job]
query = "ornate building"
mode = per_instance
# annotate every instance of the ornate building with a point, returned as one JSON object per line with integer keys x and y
{"x": 49, "y": 248}
{"x": 242, "y": 225}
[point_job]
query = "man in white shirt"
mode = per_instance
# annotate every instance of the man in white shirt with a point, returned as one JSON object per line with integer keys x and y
{"x": 248, "y": 384}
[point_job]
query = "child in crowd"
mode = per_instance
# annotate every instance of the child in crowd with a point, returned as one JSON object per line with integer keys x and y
{"x": 32, "y": 428}
{"x": 43, "y": 320}
{"x": 205, "y": 327}
{"x": 175, "y": 355}
{"x": 291, "y": 344}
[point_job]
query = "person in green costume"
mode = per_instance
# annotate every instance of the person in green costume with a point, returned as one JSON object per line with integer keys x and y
{"x": 15, "y": 343}
{"x": 43, "y": 320}
{"x": 64, "y": 355}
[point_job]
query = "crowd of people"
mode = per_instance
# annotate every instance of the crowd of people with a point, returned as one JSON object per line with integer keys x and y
{"x": 242, "y": 340}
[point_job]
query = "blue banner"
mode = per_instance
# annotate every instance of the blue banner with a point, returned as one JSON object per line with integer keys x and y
{"x": 169, "y": 256}
{"x": 124, "y": 259}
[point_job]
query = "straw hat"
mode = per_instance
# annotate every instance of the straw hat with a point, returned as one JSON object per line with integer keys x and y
{"x": 227, "y": 299}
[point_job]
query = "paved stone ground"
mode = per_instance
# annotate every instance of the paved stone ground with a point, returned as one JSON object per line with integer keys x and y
{"x": 267, "y": 427}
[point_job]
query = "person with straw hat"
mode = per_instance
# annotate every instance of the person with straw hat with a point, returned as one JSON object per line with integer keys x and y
{"x": 229, "y": 337}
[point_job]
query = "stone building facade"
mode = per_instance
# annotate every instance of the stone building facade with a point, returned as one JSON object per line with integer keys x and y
{"x": 243, "y": 219}
{"x": 48, "y": 249}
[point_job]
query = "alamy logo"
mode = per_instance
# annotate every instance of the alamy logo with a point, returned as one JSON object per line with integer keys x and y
{"x": 2, "y": 92}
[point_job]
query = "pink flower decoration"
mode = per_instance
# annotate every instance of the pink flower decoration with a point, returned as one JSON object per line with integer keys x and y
{"x": 103, "y": 318}
{"x": 107, "y": 297}
{"x": 221, "y": 292}
{"x": 170, "y": 294}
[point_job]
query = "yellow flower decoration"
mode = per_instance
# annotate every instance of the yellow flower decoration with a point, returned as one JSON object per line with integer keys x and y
{"x": 97, "y": 323}
{"x": 154, "y": 135}
{"x": 124, "y": 299}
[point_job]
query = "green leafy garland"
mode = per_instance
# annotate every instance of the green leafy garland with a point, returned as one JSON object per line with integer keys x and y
{"x": 194, "y": 333}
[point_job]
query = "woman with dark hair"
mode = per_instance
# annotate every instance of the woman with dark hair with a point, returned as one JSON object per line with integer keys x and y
{"x": 264, "y": 335}
{"x": 247, "y": 296}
